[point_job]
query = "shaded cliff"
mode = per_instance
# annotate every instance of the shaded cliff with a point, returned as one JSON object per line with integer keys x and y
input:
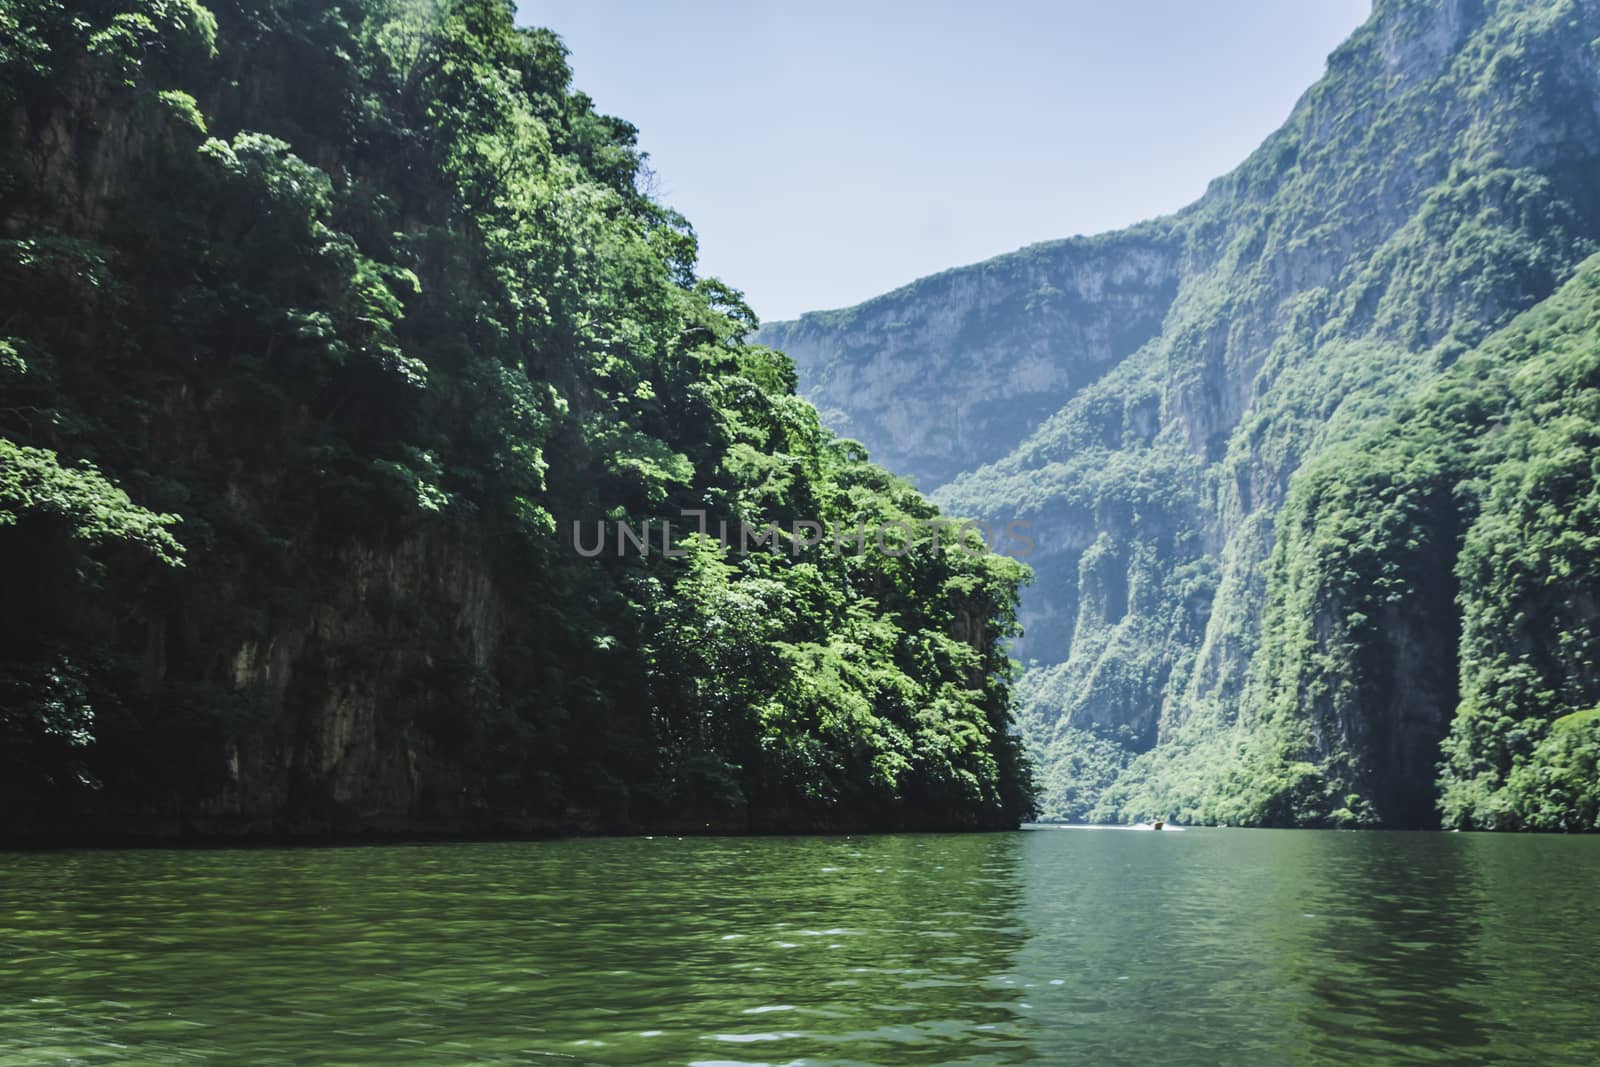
{"x": 1443, "y": 176}
{"x": 322, "y": 328}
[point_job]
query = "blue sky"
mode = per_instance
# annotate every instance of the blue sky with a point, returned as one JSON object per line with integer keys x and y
{"x": 829, "y": 151}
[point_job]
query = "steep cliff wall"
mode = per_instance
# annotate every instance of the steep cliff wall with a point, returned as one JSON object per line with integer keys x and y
{"x": 321, "y": 325}
{"x": 1440, "y": 178}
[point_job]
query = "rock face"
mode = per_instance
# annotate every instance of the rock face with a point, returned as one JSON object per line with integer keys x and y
{"x": 955, "y": 370}
{"x": 1150, "y": 416}
{"x": 346, "y": 690}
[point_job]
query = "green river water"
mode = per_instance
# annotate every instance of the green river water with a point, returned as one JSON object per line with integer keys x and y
{"x": 1044, "y": 946}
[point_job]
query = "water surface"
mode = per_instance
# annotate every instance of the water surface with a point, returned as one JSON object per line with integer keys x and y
{"x": 1045, "y": 946}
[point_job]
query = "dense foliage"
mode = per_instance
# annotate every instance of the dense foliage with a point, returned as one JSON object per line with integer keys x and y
{"x": 1434, "y": 577}
{"x": 364, "y": 307}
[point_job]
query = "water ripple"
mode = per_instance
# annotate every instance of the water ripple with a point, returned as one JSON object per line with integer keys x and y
{"x": 1219, "y": 946}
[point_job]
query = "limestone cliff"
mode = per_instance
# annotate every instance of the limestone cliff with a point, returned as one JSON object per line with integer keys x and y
{"x": 955, "y": 370}
{"x": 1442, "y": 176}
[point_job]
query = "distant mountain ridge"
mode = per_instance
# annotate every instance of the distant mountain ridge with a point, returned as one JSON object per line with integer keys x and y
{"x": 957, "y": 368}
{"x": 1151, "y": 398}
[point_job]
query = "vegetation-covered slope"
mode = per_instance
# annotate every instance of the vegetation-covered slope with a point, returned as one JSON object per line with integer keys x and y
{"x": 321, "y": 324}
{"x": 1434, "y": 577}
{"x": 1443, "y": 176}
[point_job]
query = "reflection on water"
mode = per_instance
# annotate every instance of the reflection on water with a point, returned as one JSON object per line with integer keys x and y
{"x": 1045, "y": 947}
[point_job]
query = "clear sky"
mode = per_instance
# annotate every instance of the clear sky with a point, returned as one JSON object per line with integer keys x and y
{"x": 830, "y": 150}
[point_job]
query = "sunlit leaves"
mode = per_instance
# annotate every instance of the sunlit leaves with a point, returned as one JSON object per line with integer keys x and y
{"x": 35, "y": 486}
